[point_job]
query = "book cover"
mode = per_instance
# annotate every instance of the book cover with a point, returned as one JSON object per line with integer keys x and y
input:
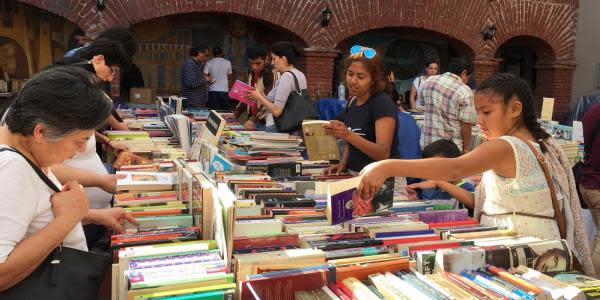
{"x": 319, "y": 144}
{"x": 238, "y": 92}
{"x": 437, "y": 216}
{"x": 344, "y": 203}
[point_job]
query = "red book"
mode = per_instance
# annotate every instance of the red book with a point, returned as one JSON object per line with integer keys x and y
{"x": 413, "y": 249}
{"x": 338, "y": 291}
{"x": 387, "y": 242}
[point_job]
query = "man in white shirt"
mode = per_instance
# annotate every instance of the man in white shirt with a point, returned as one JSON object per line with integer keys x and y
{"x": 218, "y": 73}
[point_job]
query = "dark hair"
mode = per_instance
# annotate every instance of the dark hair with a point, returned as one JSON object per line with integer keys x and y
{"x": 46, "y": 100}
{"x": 113, "y": 53}
{"x": 288, "y": 50}
{"x": 443, "y": 148}
{"x": 257, "y": 52}
{"x": 460, "y": 64}
{"x": 196, "y": 49}
{"x": 217, "y": 51}
{"x": 122, "y": 36}
{"x": 372, "y": 66}
{"x": 507, "y": 86}
{"x": 432, "y": 62}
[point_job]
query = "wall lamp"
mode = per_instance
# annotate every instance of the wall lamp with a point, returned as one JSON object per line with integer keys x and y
{"x": 325, "y": 17}
{"x": 489, "y": 33}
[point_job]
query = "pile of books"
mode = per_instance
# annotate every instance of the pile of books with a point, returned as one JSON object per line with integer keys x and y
{"x": 190, "y": 269}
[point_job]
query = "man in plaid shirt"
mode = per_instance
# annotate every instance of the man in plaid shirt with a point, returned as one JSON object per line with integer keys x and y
{"x": 449, "y": 108}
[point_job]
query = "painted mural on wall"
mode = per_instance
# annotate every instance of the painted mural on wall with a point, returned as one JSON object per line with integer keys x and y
{"x": 30, "y": 39}
{"x": 164, "y": 44}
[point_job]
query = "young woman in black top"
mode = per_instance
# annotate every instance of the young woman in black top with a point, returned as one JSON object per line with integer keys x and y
{"x": 369, "y": 124}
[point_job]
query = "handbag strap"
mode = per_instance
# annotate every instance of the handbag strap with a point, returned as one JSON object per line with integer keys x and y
{"x": 35, "y": 168}
{"x": 296, "y": 82}
{"x": 560, "y": 218}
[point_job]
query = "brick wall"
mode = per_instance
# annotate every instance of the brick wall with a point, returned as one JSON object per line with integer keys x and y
{"x": 459, "y": 21}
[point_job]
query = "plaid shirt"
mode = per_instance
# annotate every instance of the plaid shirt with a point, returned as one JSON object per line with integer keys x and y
{"x": 448, "y": 102}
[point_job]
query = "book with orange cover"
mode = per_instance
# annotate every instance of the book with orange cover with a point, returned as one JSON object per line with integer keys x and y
{"x": 468, "y": 222}
{"x": 362, "y": 271}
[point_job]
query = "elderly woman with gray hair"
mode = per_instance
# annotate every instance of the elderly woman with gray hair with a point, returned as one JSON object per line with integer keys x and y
{"x": 50, "y": 120}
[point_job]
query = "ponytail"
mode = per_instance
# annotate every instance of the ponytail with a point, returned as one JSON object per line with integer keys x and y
{"x": 508, "y": 85}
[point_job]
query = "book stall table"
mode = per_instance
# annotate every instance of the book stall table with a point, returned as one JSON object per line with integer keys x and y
{"x": 240, "y": 215}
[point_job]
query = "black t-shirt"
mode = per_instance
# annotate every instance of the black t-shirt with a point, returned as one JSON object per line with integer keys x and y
{"x": 361, "y": 120}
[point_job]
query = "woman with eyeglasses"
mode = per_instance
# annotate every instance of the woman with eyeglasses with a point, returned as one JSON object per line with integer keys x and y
{"x": 416, "y": 100}
{"x": 284, "y": 56}
{"x": 369, "y": 123}
{"x": 102, "y": 57}
{"x": 51, "y": 119}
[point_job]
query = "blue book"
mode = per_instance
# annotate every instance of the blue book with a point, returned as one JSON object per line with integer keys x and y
{"x": 405, "y": 209}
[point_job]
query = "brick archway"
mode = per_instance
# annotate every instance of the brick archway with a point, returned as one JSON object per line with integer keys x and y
{"x": 552, "y": 21}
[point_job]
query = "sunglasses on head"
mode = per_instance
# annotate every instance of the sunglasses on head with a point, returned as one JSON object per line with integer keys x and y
{"x": 365, "y": 51}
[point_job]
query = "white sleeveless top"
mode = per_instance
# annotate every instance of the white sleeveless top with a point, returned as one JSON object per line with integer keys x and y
{"x": 527, "y": 192}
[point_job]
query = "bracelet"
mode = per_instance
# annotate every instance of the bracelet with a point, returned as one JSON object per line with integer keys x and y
{"x": 108, "y": 142}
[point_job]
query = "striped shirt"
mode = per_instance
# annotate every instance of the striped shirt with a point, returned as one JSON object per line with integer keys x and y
{"x": 448, "y": 102}
{"x": 193, "y": 84}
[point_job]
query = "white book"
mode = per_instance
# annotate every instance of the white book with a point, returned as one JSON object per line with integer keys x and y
{"x": 145, "y": 181}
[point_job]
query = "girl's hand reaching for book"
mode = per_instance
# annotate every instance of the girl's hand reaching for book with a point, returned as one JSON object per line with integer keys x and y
{"x": 371, "y": 179}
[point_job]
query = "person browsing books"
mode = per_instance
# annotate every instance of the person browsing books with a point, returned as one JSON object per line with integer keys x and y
{"x": 47, "y": 124}
{"x": 283, "y": 57}
{"x": 416, "y": 98}
{"x": 514, "y": 191}
{"x": 369, "y": 123}
{"x": 262, "y": 77}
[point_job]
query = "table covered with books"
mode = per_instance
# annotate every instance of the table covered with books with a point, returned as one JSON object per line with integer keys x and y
{"x": 229, "y": 214}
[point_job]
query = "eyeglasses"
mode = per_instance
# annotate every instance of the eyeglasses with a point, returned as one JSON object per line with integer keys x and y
{"x": 365, "y": 51}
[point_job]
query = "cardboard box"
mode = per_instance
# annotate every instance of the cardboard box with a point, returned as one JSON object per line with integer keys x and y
{"x": 142, "y": 95}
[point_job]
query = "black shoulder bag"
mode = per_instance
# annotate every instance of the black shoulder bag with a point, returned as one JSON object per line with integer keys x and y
{"x": 65, "y": 274}
{"x": 579, "y": 165}
{"x": 298, "y": 108}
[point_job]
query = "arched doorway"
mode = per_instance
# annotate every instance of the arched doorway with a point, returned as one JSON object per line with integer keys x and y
{"x": 529, "y": 58}
{"x": 405, "y": 51}
{"x": 164, "y": 43}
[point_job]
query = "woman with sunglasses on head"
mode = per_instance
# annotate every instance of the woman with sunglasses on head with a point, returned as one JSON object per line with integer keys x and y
{"x": 416, "y": 99}
{"x": 514, "y": 191}
{"x": 369, "y": 123}
{"x": 284, "y": 56}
